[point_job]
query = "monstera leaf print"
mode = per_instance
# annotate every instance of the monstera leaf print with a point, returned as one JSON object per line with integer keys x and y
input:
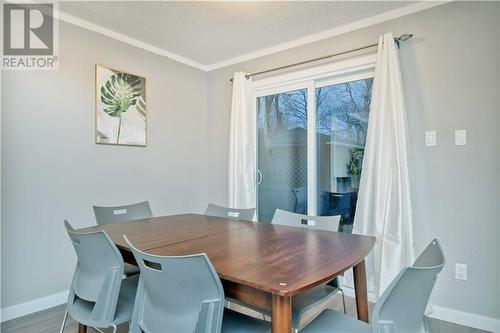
{"x": 118, "y": 94}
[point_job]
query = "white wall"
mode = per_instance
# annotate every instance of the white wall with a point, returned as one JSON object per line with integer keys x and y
{"x": 451, "y": 79}
{"x": 52, "y": 169}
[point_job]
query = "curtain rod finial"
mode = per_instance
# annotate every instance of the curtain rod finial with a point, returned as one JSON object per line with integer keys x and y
{"x": 404, "y": 37}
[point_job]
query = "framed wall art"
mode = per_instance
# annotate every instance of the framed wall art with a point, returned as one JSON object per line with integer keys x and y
{"x": 121, "y": 116}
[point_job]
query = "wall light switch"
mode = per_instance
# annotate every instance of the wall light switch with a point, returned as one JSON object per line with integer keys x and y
{"x": 430, "y": 138}
{"x": 460, "y": 137}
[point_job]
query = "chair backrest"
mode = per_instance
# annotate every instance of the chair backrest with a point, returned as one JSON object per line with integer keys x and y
{"x": 329, "y": 223}
{"x": 246, "y": 214}
{"x": 107, "y": 215}
{"x": 403, "y": 303}
{"x": 176, "y": 294}
{"x": 98, "y": 272}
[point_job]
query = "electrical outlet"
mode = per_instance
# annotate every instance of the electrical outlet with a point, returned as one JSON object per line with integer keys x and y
{"x": 461, "y": 272}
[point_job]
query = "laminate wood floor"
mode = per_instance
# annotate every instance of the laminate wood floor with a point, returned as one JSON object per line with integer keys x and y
{"x": 49, "y": 321}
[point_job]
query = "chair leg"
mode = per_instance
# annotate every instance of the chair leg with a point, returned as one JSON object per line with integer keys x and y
{"x": 114, "y": 328}
{"x": 343, "y": 300}
{"x": 64, "y": 320}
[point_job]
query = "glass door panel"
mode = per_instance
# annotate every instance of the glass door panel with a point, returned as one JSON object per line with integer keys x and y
{"x": 282, "y": 153}
{"x": 341, "y": 124}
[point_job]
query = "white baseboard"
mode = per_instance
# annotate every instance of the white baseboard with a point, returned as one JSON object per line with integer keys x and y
{"x": 465, "y": 319}
{"x": 437, "y": 312}
{"x": 449, "y": 315}
{"x": 36, "y": 305}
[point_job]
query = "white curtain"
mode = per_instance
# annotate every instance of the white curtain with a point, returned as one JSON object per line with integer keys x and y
{"x": 384, "y": 207}
{"x": 241, "y": 165}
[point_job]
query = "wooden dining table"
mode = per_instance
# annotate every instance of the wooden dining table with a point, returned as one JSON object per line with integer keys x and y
{"x": 260, "y": 264}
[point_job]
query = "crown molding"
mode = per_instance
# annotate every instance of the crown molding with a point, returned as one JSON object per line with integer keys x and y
{"x": 367, "y": 22}
{"x": 126, "y": 39}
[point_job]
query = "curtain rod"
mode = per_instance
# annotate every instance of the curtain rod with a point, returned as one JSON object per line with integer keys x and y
{"x": 402, "y": 38}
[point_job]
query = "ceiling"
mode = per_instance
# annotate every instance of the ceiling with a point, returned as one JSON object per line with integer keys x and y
{"x": 209, "y": 33}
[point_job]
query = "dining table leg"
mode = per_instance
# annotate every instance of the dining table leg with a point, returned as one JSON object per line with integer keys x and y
{"x": 281, "y": 314}
{"x": 82, "y": 328}
{"x": 361, "y": 291}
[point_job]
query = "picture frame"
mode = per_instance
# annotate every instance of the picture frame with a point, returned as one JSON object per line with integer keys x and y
{"x": 120, "y": 107}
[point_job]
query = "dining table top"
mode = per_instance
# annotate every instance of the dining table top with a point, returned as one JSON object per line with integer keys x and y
{"x": 273, "y": 258}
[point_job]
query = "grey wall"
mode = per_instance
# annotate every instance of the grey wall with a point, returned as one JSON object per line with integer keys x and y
{"x": 451, "y": 80}
{"x": 52, "y": 169}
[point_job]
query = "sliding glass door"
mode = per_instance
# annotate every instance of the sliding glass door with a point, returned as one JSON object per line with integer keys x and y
{"x": 310, "y": 146}
{"x": 282, "y": 153}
